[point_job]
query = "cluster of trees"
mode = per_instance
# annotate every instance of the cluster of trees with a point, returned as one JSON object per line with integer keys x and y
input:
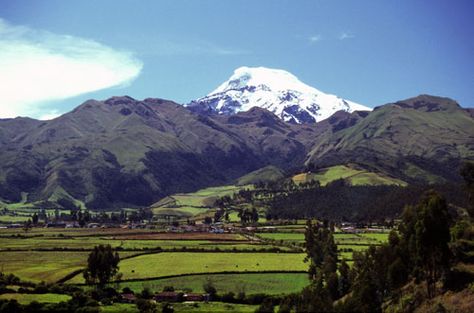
{"x": 248, "y": 216}
{"x": 341, "y": 202}
{"x": 82, "y": 217}
{"x": 418, "y": 252}
{"x": 102, "y": 265}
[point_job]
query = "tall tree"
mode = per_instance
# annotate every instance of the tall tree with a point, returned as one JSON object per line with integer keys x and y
{"x": 467, "y": 172}
{"x": 432, "y": 238}
{"x": 102, "y": 265}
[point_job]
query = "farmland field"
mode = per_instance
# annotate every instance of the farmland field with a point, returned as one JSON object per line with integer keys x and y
{"x": 291, "y": 237}
{"x": 74, "y": 239}
{"x": 177, "y": 263}
{"x": 25, "y": 298}
{"x": 37, "y": 266}
{"x": 250, "y": 283}
{"x": 41, "y": 266}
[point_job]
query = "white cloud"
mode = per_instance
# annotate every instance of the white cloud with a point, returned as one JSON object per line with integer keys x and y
{"x": 39, "y": 66}
{"x": 314, "y": 38}
{"x": 345, "y": 35}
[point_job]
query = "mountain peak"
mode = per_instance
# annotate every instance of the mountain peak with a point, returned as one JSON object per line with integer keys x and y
{"x": 276, "y": 90}
{"x": 274, "y": 79}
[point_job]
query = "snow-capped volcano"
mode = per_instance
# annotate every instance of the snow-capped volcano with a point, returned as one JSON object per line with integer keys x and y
{"x": 275, "y": 90}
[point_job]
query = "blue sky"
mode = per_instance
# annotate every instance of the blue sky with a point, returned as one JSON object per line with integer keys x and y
{"x": 371, "y": 52}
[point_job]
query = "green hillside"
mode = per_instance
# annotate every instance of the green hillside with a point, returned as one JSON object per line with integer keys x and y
{"x": 422, "y": 139}
{"x": 265, "y": 174}
{"x": 352, "y": 175}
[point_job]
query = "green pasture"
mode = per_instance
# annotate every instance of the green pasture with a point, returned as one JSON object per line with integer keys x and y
{"x": 177, "y": 263}
{"x": 289, "y": 237}
{"x": 26, "y": 298}
{"x": 41, "y": 266}
{"x": 37, "y": 266}
{"x": 7, "y": 219}
{"x": 180, "y": 212}
{"x": 88, "y": 243}
{"x": 198, "y": 198}
{"x": 379, "y": 237}
{"x": 74, "y": 232}
{"x": 250, "y": 283}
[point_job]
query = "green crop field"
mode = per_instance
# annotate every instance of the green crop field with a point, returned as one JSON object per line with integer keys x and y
{"x": 7, "y": 219}
{"x": 41, "y": 266}
{"x": 250, "y": 283}
{"x": 379, "y": 237}
{"x": 25, "y": 298}
{"x": 177, "y": 263}
{"x": 291, "y": 237}
{"x": 37, "y": 266}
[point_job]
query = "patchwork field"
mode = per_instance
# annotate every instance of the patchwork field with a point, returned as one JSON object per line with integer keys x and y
{"x": 270, "y": 263}
{"x": 346, "y": 242}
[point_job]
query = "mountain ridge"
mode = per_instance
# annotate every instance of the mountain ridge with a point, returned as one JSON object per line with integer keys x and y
{"x": 123, "y": 152}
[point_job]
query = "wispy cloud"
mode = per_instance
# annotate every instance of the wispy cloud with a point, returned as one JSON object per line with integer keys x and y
{"x": 38, "y": 66}
{"x": 163, "y": 45}
{"x": 314, "y": 38}
{"x": 345, "y": 35}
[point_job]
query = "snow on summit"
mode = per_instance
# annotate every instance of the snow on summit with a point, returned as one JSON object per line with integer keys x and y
{"x": 275, "y": 90}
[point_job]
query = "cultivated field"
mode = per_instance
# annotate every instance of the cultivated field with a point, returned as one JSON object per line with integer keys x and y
{"x": 180, "y": 263}
{"x": 250, "y": 283}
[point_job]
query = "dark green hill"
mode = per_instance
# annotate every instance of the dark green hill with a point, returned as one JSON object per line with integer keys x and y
{"x": 126, "y": 153}
{"x": 266, "y": 174}
{"x": 418, "y": 139}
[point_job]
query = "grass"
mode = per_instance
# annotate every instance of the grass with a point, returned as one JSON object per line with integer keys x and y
{"x": 380, "y": 237}
{"x": 26, "y": 298}
{"x": 14, "y": 218}
{"x": 354, "y": 176}
{"x": 265, "y": 174}
{"x": 290, "y": 237}
{"x": 39, "y": 266}
{"x": 269, "y": 283}
{"x": 180, "y": 212}
{"x": 201, "y": 197}
{"x": 119, "y": 308}
{"x": 177, "y": 263}
{"x": 88, "y": 243}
